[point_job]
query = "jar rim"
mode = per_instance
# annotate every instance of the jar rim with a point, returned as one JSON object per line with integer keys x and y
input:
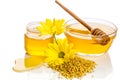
{"x": 32, "y": 31}
{"x": 31, "y": 27}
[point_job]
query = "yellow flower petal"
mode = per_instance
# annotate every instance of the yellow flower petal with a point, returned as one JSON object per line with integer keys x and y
{"x": 55, "y": 49}
{"x": 49, "y": 22}
{"x": 54, "y": 26}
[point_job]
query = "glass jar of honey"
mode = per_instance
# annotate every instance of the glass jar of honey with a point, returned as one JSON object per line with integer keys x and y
{"x": 35, "y": 43}
{"x": 83, "y": 41}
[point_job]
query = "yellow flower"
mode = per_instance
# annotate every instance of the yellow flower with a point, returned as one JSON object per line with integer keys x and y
{"x": 55, "y": 26}
{"x": 59, "y": 51}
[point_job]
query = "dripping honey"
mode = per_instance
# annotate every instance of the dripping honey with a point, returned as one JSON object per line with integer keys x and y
{"x": 28, "y": 63}
{"x": 84, "y": 42}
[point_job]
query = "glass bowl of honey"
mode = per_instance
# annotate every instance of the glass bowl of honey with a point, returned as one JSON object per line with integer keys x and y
{"x": 34, "y": 42}
{"x": 83, "y": 41}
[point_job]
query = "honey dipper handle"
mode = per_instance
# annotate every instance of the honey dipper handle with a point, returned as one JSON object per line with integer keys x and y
{"x": 74, "y": 15}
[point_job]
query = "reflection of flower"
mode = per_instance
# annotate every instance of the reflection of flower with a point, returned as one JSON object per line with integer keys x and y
{"x": 51, "y": 26}
{"x": 60, "y": 51}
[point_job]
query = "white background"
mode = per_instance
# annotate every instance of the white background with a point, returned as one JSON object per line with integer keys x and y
{"x": 15, "y": 14}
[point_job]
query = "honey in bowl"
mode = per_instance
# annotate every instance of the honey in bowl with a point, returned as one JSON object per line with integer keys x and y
{"x": 82, "y": 39}
{"x": 34, "y": 42}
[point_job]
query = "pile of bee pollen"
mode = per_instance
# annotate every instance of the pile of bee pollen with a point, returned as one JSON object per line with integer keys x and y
{"x": 75, "y": 67}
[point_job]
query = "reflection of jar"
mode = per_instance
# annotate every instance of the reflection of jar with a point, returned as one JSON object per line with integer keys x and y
{"x": 82, "y": 39}
{"x": 34, "y": 42}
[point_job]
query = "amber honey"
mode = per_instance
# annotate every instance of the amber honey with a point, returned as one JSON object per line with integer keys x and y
{"x": 34, "y": 42}
{"x": 84, "y": 42}
{"x": 36, "y": 46}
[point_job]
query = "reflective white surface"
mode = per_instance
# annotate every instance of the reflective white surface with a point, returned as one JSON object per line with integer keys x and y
{"x": 103, "y": 70}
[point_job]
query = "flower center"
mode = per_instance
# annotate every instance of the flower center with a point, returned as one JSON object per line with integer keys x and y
{"x": 61, "y": 54}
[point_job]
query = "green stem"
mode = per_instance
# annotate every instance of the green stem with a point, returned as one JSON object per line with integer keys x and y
{"x": 55, "y": 38}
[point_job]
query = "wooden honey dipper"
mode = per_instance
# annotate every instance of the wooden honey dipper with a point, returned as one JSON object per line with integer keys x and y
{"x": 102, "y": 37}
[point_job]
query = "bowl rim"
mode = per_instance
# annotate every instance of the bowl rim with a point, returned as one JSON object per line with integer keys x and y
{"x": 98, "y": 19}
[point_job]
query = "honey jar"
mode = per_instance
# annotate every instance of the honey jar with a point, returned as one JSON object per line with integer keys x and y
{"x": 35, "y": 43}
{"x": 83, "y": 41}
